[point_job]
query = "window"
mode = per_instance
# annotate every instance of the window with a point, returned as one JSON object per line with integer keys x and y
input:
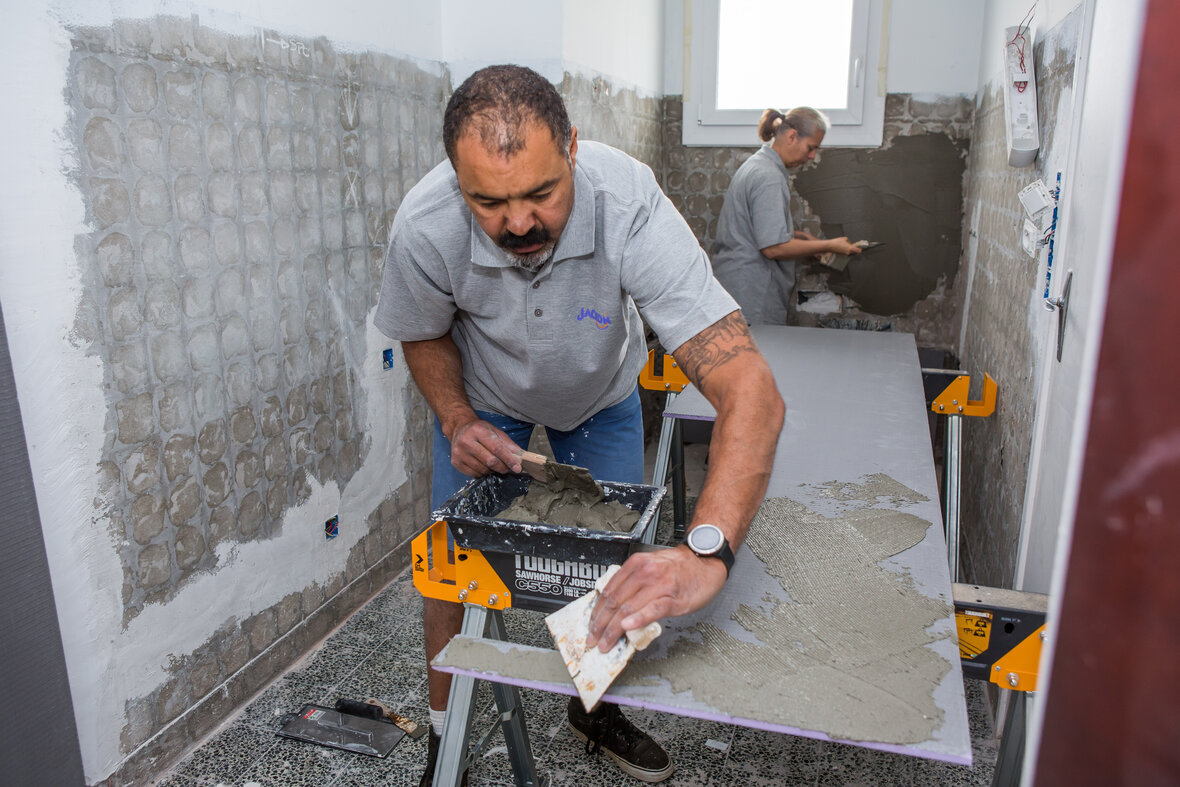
{"x": 747, "y": 55}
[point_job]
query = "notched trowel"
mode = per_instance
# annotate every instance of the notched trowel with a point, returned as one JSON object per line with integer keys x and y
{"x": 547, "y": 471}
{"x": 840, "y": 261}
{"x": 592, "y": 670}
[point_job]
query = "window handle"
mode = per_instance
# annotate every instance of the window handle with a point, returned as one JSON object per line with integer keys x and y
{"x": 856, "y": 69}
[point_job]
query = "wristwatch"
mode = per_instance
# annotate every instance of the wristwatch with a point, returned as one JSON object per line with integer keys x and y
{"x": 708, "y": 541}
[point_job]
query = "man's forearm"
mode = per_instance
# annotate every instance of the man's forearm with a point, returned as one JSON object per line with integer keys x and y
{"x": 437, "y": 368}
{"x": 741, "y": 455}
{"x": 725, "y": 365}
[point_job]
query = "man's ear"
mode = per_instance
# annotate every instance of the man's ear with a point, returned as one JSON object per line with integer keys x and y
{"x": 573, "y": 146}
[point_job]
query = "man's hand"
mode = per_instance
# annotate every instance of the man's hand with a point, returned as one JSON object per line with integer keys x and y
{"x": 478, "y": 448}
{"x": 651, "y": 586}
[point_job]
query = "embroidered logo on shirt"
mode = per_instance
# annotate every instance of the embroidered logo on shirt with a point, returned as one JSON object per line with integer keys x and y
{"x": 602, "y": 322}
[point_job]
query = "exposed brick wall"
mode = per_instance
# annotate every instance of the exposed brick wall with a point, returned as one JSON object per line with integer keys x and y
{"x": 999, "y": 336}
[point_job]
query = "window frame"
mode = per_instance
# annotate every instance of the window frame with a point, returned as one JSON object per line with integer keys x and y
{"x": 861, "y": 125}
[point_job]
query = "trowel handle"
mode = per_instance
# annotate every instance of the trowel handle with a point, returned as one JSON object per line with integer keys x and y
{"x": 534, "y": 465}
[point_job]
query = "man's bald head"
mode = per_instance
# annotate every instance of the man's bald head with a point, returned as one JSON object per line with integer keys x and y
{"x": 497, "y": 103}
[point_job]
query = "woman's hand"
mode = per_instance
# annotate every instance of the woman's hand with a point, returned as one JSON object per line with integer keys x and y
{"x": 842, "y": 246}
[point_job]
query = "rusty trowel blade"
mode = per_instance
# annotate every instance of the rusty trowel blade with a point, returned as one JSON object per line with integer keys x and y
{"x": 547, "y": 471}
{"x": 591, "y": 670}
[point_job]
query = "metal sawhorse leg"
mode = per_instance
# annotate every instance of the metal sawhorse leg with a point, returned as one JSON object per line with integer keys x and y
{"x": 670, "y": 455}
{"x": 663, "y": 374}
{"x": 453, "y": 757}
{"x": 954, "y": 404}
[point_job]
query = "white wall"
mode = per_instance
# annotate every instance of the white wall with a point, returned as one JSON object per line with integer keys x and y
{"x": 478, "y": 33}
{"x": 618, "y": 39}
{"x": 999, "y": 14}
{"x": 621, "y": 39}
{"x": 933, "y": 46}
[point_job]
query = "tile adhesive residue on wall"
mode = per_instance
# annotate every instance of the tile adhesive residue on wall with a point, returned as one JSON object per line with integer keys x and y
{"x": 909, "y": 197}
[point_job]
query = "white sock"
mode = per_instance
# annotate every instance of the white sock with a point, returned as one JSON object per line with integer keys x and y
{"x": 437, "y": 717}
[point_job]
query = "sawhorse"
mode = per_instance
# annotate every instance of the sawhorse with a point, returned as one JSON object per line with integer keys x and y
{"x": 1011, "y": 662}
{"x": 453, "y": 756}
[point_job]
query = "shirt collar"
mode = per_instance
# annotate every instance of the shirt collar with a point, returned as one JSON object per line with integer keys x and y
{"x": 577, "y": 239}
{"x": 769, "y": 152}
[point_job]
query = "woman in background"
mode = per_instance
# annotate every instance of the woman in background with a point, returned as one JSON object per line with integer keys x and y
{"x": 757, "y": 243}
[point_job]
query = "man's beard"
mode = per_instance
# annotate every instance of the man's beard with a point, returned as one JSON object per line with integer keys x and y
{"x": 534, "y": 260}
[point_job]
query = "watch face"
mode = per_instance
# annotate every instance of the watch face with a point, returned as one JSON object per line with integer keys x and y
{"x": 705, "y": 539}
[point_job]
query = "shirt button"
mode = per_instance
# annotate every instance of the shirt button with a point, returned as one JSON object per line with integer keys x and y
{"x": 536, "y": 284}
{"x": 537, "y": 313}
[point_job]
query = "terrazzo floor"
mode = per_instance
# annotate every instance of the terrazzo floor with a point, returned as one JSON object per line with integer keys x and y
{"x": 377, "y": 653}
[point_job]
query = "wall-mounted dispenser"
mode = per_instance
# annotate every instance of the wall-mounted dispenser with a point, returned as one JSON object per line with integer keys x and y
{"x": 1020, "y": 97}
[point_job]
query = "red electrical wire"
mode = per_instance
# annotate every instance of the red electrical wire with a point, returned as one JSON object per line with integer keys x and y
{"x": 1020, "y": 31}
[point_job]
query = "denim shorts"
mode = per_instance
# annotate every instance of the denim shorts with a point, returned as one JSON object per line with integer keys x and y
{"x": 609, "y": 444}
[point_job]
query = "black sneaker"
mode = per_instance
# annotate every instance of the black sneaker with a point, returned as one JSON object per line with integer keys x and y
{"x": 607, "y": 729}
{"x": 431, "y": 758}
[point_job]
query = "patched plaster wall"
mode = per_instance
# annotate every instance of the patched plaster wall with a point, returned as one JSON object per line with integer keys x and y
{"x": 238, "y": 189}
{"x": 922, "y": 261}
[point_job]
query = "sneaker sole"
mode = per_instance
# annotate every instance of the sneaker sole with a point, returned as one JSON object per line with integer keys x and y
{"x": 642, "y": 774}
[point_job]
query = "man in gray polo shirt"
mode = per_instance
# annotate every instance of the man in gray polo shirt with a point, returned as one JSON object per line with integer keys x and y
{"x": 515, "y": 277}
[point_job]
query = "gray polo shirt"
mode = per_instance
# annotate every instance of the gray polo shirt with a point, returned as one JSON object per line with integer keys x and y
{"x": 756, "y": 214}
{"x": 557, "y": 347}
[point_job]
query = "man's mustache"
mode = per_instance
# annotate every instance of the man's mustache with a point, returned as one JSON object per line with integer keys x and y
{"x": 512, "y": 241}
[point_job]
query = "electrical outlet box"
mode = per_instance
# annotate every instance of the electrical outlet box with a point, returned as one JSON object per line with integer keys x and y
{"x": 1020, "y": 97}
{"x": 1035, "y": 198}
{"x": 1029, "y": 237}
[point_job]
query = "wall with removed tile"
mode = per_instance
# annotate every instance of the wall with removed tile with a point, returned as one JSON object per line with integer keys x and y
{"x": 189, "y": 276}
{"x": 1006, "y": 325}
{"x": 906, "y": 193}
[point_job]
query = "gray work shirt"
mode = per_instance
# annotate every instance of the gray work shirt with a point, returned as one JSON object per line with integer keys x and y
{"x": 557, "y": 347}
{"x": 756, "y": 214}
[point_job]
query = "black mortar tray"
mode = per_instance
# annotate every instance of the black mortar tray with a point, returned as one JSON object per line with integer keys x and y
{"x": 471, "y": 514}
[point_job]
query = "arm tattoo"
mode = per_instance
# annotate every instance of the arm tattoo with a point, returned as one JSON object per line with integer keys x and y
{"x": 715, "y": 346}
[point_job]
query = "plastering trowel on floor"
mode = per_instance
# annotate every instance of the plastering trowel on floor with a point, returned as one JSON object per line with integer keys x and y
{"x": 592, "y": 670}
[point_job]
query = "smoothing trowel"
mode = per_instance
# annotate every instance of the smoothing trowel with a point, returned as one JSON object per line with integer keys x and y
{"x": 547, "y": 471}
{"x": 592, "y": 670}
{"x": 840, "y": 261}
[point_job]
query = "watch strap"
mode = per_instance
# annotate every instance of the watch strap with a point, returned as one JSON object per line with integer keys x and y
{"x": 726, "y": 556}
